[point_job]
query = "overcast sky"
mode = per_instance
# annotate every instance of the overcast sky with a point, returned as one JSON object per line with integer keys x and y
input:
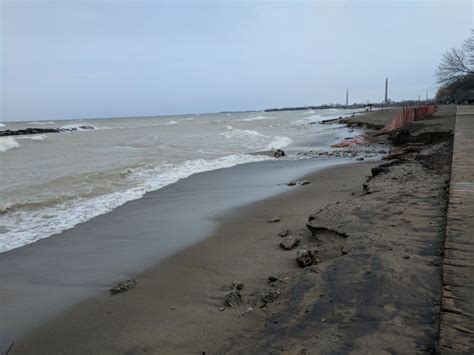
{"x": 78, "y": 59}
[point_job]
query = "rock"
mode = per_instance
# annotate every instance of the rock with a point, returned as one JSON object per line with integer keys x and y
{"x": 378, "y": 170}
{"x": 305, "y": 182}
{"x": 250, "y": 309}
{"x": 232, "y": 298}
{"x": 306, "y": 257}
{"x": 270, "y": 295}
{"x": 360, "y": 159}
{"x": 279, "y": 153}
{"x": 291, "y": 183}
{"x": 221, "y": 309}
{"x": 406, "y": 256}
{"x": 123, "y": 286}
{"x": 238, "y": 285}
{"x": 285, "y": 233}
{"x": 273, "y": 220}
{"x": 29, "y": 130}
{"x": 289, "y": 243}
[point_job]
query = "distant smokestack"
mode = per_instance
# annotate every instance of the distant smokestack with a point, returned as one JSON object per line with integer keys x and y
{"x": 386, "y": 91}
{"x": 347, "y": 98}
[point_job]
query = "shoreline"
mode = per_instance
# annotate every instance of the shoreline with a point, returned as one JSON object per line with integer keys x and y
{"x": 178, "y": 303}
{"x": 187, "y": 287}
{"x": 53, "y": 274}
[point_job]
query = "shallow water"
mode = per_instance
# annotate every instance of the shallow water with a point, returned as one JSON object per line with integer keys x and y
{"x": 52, "y": 182}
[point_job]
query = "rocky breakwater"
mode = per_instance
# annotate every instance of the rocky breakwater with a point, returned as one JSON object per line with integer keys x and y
{"x": 28, "y": 131}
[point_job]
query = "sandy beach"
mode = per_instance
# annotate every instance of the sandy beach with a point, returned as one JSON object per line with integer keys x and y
{"x": 378, "y": 237}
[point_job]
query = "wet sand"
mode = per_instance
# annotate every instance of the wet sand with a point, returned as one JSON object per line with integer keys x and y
{"x": 175, "y": 306}
{"x": 42, "y": 279}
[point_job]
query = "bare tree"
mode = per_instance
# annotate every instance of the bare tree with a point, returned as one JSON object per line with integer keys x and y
{"x": 457, "y": 63}
{"x": 469, "y": 48}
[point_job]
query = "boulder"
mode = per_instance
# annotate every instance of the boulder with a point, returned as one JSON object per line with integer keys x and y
{"x": 305, "y": 182}
{"x": 289, "y": 243}
{"x": 291, "y": 183}
{"x": 123, "y": 286}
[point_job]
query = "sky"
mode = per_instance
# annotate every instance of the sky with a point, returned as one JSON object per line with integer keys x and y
{"x": 104, "y": 58}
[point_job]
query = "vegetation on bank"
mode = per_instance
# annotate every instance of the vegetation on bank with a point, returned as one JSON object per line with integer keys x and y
{"x": 456, "y": 74}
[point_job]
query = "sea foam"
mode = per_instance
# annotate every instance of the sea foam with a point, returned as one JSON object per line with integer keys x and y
{"x": 22, "y": 227}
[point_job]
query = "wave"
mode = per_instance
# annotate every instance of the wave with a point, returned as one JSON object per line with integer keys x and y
{"x": 172, "y": 122}
{"x": 43, "y": 222}
{"x": 43, "y": 122}
{"x": 257, "y": 118}
{"x": 7, "y": 143}
{"x": 36, "y": 137}
{"x": 279, "y": 142}
{"x": 240, "y": 133}
{"x": 2, "y": 124}
{"x": 255, "y": 140}
{"x": 80, "y": 127}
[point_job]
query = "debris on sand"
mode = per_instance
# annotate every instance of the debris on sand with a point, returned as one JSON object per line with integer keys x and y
{"x": 285, "y": 233}
{"x": 302, "y": 183}
{"x": 232, "y": 298}
{"x": 289, "y": 242}
{"x": 273, "y": 279}
{"x": 270, "y": 295}
{"x": 238, "y": 285}
{"x": 123, "y": 286}
{"x": 306, "y": 257}
{"x": 273, "y": 220}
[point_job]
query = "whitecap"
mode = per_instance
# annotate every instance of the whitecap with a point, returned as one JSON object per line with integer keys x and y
{"x": 43, "y": 122}
{"x": 279, "y": 142}
{"x": 257, "y": 118}
{"x": 80, "y": 127}
{"x": 172, "y": 122}
{"x": 46, "y": 221}
{"x": 7, "y": 143}
{"x": 36, "y": 137}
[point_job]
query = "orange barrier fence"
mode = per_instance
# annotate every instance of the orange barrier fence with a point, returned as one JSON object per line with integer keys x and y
{"x": 406, "y": 116}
